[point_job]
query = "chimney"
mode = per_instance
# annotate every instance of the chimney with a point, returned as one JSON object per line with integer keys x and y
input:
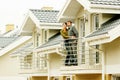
{"x": 9, "y": 27}
{"x": 47, "y": 8}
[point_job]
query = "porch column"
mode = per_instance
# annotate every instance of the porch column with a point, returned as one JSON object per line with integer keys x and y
{"x": 35, "y": 60}
{"x": 48, "y": 67}
{"x": 107, "y": 76}
{"x": 61, "y": 78}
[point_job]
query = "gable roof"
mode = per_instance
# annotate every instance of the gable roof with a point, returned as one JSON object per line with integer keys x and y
{"x": 41, "y": 19}
{"x": 73, "y": 7}
{"x": 5, "y": 41}
{"x": 51, "y": 46}
{"x": 45, "y": 16}
{"x": 107, "y": 26}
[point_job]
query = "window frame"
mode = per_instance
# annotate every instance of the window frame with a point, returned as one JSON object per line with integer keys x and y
{"x": 95, "y": 22}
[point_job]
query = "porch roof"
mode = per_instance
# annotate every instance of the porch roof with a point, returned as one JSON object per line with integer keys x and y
{"x": 54, "y": 40}
{"x": 51, "y": 46}
{"x": 107, "y": 32}
{"x": 106, "y": 27}
{"x": 25, "y": 49}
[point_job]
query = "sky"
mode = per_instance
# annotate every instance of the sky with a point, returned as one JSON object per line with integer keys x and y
{"x": 14, "y": 11}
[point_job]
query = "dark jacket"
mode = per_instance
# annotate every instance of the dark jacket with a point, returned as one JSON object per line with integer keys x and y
{"x": 72, "y": 31}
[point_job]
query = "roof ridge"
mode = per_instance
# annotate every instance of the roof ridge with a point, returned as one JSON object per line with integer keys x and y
{"x": 43, "y": 10}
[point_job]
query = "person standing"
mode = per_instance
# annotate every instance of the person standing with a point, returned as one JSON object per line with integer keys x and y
{"x": 64, "y": 33}
{"x": 73, "y": 38}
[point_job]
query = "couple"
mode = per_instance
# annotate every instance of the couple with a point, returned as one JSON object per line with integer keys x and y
{"x": 70, "y": 35}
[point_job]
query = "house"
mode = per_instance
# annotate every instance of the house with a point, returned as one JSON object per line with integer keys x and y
{"x": 98, "y": 23}
{"x": 43, "y": 26}
{"x": 9, "y": 65}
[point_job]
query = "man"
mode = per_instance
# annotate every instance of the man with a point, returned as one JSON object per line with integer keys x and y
{"x": 73, "y": 38}
{"x": 72, "y": 30}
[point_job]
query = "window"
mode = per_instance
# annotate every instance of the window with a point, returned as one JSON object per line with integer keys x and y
{"x": 26, "y": 61}
{"x": 37, "y": 40}
{"x": 95, "y": 21}
{"x": 97, "y": 54}
{"x": 82, "y": 30}
{"x": 45, "y": 35}
{"x": 96, "y": 27}
{"x": 69, "y": 78}
{"x": 41, "y": 61}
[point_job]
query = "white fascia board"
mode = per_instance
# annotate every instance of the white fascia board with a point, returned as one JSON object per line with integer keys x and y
{"x": 105, "y": 6}
{"x": 85, "y": 4}
{"x": 99, "y": 41}
{"x": 109, "y": 37}
{"x": 34, "y": 19}
{"x": 63, "y": 9}
{"x": 47, "y": 48}
{"x": 23, "y": 25}
{"x": 96, "y": 37}
{"x": 114, "y": 33}
{"x": 50, "y": 26}
{"x": 66, "y": 18}
{"x": 104, "y": 9}
{"x": 108, "y": 11}
{"x": 14, "y": 44}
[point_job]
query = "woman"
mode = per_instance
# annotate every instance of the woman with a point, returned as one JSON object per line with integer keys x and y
{"x": 64, "y": 33}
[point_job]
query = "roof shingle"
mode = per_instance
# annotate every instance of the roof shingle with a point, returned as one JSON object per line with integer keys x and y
{"x": 45, "y": 16}
{"x": 5, "y": 41}
{"x": 106, "y": 2}
{"x": 54, "y": 40}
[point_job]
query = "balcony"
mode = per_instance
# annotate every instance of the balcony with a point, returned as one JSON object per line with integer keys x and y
{"x": 31, "y": 64}
{"x": 78, "y": 57}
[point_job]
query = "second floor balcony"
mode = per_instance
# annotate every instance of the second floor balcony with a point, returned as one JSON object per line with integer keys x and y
{"x": 78, "y": 56}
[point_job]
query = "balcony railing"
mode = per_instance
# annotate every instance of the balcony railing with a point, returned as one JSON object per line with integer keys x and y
{"x": 78, "y": 54}
{"x": 32, "y": 64}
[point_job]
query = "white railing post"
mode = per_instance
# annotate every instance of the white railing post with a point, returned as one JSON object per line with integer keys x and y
{"x": 103, "y": 66}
